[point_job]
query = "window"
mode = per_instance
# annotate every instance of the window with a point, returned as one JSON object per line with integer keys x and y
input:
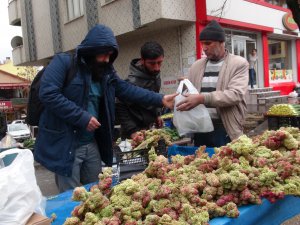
{"x": 281, "y": 3}
{"x": 75, "y": 9}
{"x": 280, "y": 61}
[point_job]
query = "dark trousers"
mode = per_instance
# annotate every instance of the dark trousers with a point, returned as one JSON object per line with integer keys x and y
{"x": 252, "y": 78}
{"x": 216, "y": 138}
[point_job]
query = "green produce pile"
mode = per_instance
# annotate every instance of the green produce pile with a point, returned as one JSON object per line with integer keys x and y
{"x": 173, "y": 133}
{"x": 167, "y": 116}
{"x": 284, "y": 110}
{"x": 196, "y": 188}
{"x": 145, "y": 139}
{"x": 29, "y": 143}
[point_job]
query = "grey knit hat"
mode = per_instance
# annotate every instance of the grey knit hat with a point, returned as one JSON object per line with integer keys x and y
{"x": 212, "y": 32}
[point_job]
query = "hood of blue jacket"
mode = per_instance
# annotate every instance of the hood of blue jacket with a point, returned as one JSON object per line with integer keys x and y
{"x": 99, "y": 40}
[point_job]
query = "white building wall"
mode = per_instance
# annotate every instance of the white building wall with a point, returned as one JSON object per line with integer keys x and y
{"x": 179, "y": 9}
{"x": 179, "y": 46}
{"x": 188, "y": 46}
{"x": 72, "y": 32}
{"x": 170, "y": 41}
{"x": 247, "y": 12}
{"x": 42, "y": 28}
{"x": 117, "y": 15}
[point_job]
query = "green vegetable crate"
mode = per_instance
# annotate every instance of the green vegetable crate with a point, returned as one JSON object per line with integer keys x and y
{"x": 136, "y": 161}
{"x": 275, "y": 122}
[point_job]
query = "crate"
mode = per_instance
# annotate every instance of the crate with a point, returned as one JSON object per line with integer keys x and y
{"x": 139, "y": 156}
{"x": 275, "y": 122}
{"x": 136, "y": 161}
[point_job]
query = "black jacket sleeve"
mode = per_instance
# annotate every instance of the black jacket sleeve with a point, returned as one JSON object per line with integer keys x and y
{"x": 128, "y": 124}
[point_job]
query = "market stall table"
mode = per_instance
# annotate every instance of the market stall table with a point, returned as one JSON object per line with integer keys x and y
{"x": 264, "y": 214}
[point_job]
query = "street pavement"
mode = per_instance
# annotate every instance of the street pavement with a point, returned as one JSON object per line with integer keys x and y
{"x": 45, "y": 180}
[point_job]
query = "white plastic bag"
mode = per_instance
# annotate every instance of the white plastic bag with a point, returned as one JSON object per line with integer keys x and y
{"x": 125, "y": 146}
{"x": 293, "y": 94}
{"x": 196, "y": 120}
{"x": 8, "y": 142}
{"x": 19, "y": 194}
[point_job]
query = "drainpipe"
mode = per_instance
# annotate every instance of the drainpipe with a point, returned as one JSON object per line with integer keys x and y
{"x": 201, "y": 19}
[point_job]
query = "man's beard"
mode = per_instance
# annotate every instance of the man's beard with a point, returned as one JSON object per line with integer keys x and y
{"x": 153, "y": 73}
{"x": 98, "y": 69}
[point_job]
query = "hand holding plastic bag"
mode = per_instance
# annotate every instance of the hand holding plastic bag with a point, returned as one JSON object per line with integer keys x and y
{"x": 19, "y": 194}
{"x": 196, "y": 120}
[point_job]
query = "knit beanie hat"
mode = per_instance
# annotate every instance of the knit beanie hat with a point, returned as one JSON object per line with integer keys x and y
{"x": 212, "y": 32}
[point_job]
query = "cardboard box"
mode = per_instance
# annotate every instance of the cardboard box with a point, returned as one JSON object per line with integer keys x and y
{"x": 37, "y": 219}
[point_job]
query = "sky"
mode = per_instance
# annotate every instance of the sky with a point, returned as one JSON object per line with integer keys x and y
{"x": 7, "y": 31}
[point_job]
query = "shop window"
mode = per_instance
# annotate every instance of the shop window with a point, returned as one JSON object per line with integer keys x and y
{"x": 75, "y": 9}
{"x": 240, "y": 43}
{"x": 280, "y": 62}
{"x": 281, "y": 3}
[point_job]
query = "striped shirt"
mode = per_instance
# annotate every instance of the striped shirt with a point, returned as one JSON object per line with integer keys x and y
{"x": 209, "y": 82}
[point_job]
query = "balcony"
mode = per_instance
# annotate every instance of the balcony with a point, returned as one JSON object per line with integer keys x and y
{"x": 18, "y": 54}
{"x": 155, "y": 15}
{"x": 14, "y": 12}
{"x": 173, "y": 11}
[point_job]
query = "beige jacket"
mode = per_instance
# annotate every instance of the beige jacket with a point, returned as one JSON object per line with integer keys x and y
{"x": 229, "y": 97}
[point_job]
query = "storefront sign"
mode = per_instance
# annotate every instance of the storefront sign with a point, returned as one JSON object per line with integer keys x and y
{"x": 280, "y": 76}
{"x": 288, "y": 22}
{"x": 5, "y": 105}
{"x": 169, "y": 82}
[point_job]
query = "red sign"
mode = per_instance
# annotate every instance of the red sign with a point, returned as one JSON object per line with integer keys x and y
{"x": 5, "y": 105}
{"x": 289, "y": 22}
{"x": 169, "y": 82}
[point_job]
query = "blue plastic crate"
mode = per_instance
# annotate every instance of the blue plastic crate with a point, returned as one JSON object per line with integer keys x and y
{"x": 186, "y": 150}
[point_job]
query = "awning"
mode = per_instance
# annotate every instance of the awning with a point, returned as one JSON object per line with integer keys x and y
{"x": 14, "y": 86}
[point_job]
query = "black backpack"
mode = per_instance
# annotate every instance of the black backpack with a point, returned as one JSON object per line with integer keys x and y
{"x": 34, "y": 105}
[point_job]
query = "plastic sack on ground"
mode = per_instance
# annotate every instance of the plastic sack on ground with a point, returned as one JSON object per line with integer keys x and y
{"x": 19, "y": 194}
{"x": 8, "y": 142}
{"x": 293, "y": 94}
{"x": 125, "y": 146}
{"x": 196, "y": 120}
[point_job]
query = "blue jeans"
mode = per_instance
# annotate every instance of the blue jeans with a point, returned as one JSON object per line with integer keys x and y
{"x": 216, "y": 138}
{"x": 86, "y": 168}
{"x": 252, "y": 78}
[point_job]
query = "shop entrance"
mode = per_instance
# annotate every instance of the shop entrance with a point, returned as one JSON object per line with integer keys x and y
{"x": 243, "y": 46}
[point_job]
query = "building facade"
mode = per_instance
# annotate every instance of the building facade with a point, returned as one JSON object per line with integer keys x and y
{"x": 13, "y": 92}
{"x": 52, "y": 26}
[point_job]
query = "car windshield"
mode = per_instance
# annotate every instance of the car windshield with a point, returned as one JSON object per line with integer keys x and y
{"x": 17, "y": 127}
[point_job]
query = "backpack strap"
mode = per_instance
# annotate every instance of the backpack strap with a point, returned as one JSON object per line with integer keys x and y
{"x": 71, "y": 71}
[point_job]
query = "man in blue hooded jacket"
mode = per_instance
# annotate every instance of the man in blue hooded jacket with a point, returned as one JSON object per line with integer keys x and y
{"x": 76, "y": 126}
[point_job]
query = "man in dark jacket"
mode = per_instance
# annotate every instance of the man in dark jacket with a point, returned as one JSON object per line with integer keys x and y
{"x": 143, "y": 72}
{"x": 75, "y": 128}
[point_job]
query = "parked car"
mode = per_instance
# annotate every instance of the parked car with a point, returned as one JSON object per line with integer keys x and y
{"x": 19, "y": 131}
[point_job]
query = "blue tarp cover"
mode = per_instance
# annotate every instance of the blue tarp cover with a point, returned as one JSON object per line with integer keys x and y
{"x": 264, "y": 214}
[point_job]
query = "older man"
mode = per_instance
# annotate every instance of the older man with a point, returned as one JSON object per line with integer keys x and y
{"x": 221, "y": 79}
